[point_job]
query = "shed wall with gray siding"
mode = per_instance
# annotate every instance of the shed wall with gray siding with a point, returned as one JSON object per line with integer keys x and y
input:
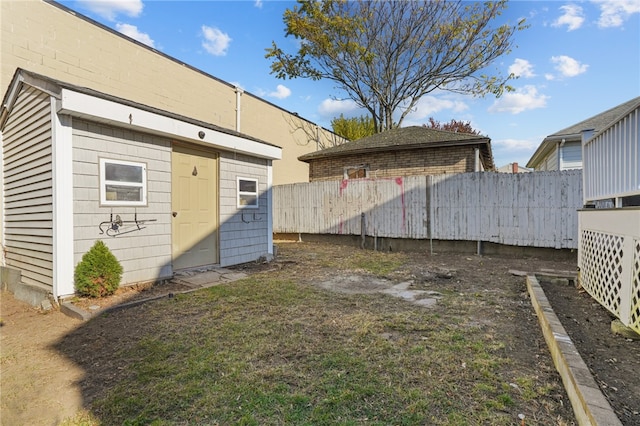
{"x": 243, "y": 232}
{"x": 145, "y": 255}
{"x": 28, "y": 188}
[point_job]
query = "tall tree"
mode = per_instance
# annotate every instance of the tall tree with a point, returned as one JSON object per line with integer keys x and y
{"x": 452, "y": 126}
{"x": 353, "y": 128}
{"x": 386, "y": 55}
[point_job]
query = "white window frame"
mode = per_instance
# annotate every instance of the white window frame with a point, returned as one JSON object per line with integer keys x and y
{"x": 104, "y": 182}
{"x": 255, "y": 194}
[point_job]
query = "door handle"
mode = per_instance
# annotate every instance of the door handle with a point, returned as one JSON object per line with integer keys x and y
{"x": 174, "y": 214}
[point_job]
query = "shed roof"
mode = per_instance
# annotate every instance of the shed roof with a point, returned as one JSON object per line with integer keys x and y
{"x": 574, "y": 133}
{"x": 405, "y": 138}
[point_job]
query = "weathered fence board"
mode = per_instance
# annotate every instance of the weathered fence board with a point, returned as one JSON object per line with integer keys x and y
{"x": 528, "y": 209}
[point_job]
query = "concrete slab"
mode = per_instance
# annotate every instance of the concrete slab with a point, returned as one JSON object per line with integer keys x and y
{"x": 210, "y": 278}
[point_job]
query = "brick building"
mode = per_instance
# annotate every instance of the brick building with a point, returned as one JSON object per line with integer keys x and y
{"x": 407, "y": 151}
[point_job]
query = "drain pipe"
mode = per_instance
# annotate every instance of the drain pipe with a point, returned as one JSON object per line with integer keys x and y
{"x": 239, "y": 93}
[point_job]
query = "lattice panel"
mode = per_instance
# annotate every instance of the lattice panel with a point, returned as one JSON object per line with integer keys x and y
{"x": 635, "y": 288}
{"x": 601, "y": 267}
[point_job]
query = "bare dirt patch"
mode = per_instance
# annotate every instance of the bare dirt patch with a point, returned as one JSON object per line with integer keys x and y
{"x": 613, "y": 360}
{"x": 490, "y": 299}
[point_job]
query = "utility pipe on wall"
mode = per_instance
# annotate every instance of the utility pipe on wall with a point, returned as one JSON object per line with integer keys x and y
{"x": 239, "y": 93}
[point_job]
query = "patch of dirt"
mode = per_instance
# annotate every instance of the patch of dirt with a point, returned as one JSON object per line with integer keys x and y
{"x": 39, "y": 384}
{"x": 492, "y": 299}
{"x": 613, "y": 360}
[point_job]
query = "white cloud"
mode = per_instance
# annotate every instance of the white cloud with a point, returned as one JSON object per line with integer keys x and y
{"x": 281, "y": 92}
{"x": 109, "y": 9}
{"x": 215, "y": 41}
{"x": 523, "y": 99}
{"x": 335, "y": 107}
{"x": 427, "y": 106}
{"x": 573, "y": 17}
{"x": 258, "y": 4}
{"x": 521, "y": 68}
{"x": 567, "y": 66}
{"x": 613, "y": 13}
{"x": 515, "y": 145}
{"x": 133, "y": 32}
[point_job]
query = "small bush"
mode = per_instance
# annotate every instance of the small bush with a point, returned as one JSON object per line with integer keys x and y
{"x": 99, "y": 273}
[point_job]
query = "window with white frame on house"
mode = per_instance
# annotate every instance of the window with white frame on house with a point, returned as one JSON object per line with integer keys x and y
{"x": 123, "y": 183}
{"x": 247, "y": 193}
{"x": 356, "y": 172}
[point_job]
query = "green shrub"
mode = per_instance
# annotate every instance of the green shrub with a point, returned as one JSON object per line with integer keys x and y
{"x": 99, "y": 273}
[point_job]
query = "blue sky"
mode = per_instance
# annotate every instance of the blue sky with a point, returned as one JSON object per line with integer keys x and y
{"x": 577, "y": 59}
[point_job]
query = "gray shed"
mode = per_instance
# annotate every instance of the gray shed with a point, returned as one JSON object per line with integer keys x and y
{"x": 164, "y": 192}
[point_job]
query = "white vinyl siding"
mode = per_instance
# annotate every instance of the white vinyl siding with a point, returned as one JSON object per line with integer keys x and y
{"x": 145, "y": 254}
{"x": 571, "y": 156}
{"x": 28, "y": 183}
{"x": 612, "y": 160}
{"x": 243, "y": 232}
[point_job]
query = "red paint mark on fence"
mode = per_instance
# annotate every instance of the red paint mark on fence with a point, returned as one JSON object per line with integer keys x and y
{"x": 343, "y": 185}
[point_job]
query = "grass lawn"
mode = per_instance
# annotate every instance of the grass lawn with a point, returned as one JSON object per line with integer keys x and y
{"x": 276, "y": 349}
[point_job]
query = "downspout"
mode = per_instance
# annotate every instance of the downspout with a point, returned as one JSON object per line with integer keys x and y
{"x": 560, "y": 154}
{"x": 239, "y": 93}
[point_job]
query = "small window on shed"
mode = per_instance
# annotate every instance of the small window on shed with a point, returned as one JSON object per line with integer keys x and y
{"x": 356, "y": 172}
{"x": 247, "y": 193}
{"x": 123, "y": 183}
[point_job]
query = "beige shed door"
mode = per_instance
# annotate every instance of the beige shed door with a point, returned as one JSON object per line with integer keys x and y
{"x": 194, "y": 200}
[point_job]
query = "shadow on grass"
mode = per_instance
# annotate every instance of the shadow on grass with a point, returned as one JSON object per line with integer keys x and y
{"x": 269, "y": 350}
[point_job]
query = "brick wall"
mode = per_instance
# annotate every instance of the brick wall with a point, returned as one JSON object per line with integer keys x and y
{"x": 414, "y": 162}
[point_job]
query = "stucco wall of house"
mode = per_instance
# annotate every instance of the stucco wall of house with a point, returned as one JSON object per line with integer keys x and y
{"x": 414, "y": 162}
{"x": 244, "y": 232}
{"x": 45, "y": 39}
{"x": 145, "y": 255}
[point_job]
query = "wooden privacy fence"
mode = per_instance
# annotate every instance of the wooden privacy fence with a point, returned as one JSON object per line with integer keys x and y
{"x": 527, "y": 209}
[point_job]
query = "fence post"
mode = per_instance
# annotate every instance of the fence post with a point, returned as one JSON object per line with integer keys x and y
{"x": 363, "y": 226}
{"x": 430, "y": 211}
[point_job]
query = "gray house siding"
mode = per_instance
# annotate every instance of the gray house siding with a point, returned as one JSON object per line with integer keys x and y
{"x": 28, "y": 193}
{"x": 145, "y": 255}
{"x": 243, "y": 232}
{"x": 571, "y": 155}
{"x": 551, "y": 164}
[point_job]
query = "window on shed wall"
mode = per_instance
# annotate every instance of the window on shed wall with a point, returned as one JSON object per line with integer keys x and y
{"x": 123, "y": 183}
{"x": 247, "y": 193}
{"x": 356, "y": 172}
